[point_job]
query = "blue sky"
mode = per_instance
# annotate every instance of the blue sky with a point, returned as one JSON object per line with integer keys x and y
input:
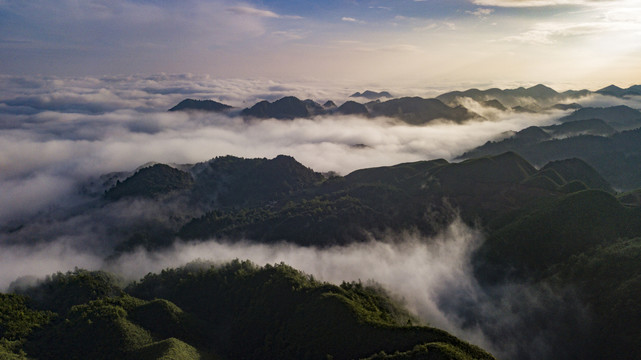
{"x": 585, "y": 43}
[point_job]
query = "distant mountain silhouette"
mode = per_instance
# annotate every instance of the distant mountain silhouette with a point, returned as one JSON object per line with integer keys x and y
{"x": 415, "y": 110}
{"x": 494, "y": 104}
{"x": 540, "y": 95}
{"x": 619, "y": 117}
{"x": 616, "y": 91}
{"x": 418, "y": 111}
{"x": 580, "y": 127}
{"x": 200, "y": 105}
{"x": 523, "y": 110}
{"x": 372, "y": 95}
{"x": 288, "y": 108}
{"x": 329, "y": 104}
{"x": 616, "y": 157}
{"x": 352, "y": 108}
{"x": 572, "y": 106}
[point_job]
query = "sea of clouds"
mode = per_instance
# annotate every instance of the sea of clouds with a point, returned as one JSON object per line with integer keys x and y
{"x": 59, "y": 134}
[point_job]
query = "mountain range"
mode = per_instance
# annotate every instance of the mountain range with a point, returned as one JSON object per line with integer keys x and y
{"x": 615, "y": 154}
{"x": 548, "y": 227}
{"x": 417, "y": 111}
{"x": 557, "y": 275}
{"x": 372, "y": 95}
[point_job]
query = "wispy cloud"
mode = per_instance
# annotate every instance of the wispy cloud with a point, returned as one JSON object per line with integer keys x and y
{"x": 551, "y": 33}
{"x": 250, "y": 11}
{"x": 537, "y": 3}
{"x": 246, "y": 10}
{"x": 48, "y": 145}
{"x": 352, "y": 20}
{"x": 481, "y": 13}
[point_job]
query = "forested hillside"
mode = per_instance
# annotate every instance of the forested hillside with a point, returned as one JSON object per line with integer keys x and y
{"x": 203, "y": 311}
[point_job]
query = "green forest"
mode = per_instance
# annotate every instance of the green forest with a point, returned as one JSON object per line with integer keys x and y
{"x": 205, "y": 311}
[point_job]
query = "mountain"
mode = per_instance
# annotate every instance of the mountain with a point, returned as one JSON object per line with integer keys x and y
{"x": 631, "y": 198}
{"x": 232, "y": 181}
{"x": 494, "y": 104}
{"x": 415, "y": 111}
{"x": 619, "y": 117}
{"x": 577, "y": 169}
{"x": 551, "y": 235}
{"x": 539, "y": 91}
{"x": 616, "y": 91}
{"x": 580, "y": 127}
{"x": 615, "y": 157}
{"x": 518, "y": 141}
{"x": 342, "y": 210}
{"x": 553, "y": 232}
{"x": 352, "y": 108}
{"x": 539, "y": 94}
{"x": 586, "y": 241}
{"x": 205, "y": 311}
{"x": 200, "y": 105}
{"x": 329, "y": 105}
{"x": 287, "y": 108}
{"x": 280, "y": 199}
{"x": 418, "y": 111}
{"x": 151, "y": 182}
{"x": 372, "y": 95}
{"x": 572, "y": 106}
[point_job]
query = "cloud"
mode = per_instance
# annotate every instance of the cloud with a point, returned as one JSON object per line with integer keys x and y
{"x": 78, "y": 37}
{"x": 60, "y": 150}
{"x": 250, "y": 11}
{"x": 352, "y": 20}
{"x": 246, "y": 10}
{"x": 450, "y": 25}
{"x": 94, "y": 126}
{"x": 537, "y": 3}
{"x": 482, "y": 13}
{"x": 550, "y": 33}
{"x": 432, "y": 277}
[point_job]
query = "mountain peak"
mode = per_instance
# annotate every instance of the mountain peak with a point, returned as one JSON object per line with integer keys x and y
{"x": 288, "y": 107}
{"x": 541, "y": 90}
{"x": 610, "y": 88}
{"x": 368, "y": 94}
{"x": 200, "y": 105}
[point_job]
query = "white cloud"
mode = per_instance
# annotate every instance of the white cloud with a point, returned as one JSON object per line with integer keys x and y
{"x": 61, "y": 145}
{"x": 432, "y": 277}
{"x": 246, "y": 10}
{"x": 550, "y": 33}
{"x": 537, "y": 3}
{"x": 482, "y": 13}
{"x": 250, "y": 11}
{"x": 352, "y": 20}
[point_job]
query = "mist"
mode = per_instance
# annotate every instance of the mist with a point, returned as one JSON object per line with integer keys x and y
{"x": 55, "y": 146}
{"x": 52, "y": 142}
{"x": 432, "y": 277}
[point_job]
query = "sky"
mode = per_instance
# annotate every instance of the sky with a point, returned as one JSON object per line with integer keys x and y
{"x": 563, "y": 43}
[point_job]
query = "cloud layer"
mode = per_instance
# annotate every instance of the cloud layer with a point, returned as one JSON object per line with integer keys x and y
{"x": 52, "y": 141}
{"x": 58, "y": 136}
{"x": 432, "y": 277}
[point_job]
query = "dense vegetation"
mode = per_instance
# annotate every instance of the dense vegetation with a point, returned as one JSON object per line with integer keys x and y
{"x": 201, "y": 311}
{"x": 615, "y": 157}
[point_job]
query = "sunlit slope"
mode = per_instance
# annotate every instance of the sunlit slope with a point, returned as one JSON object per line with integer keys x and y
{"x": 237, "y": 310}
